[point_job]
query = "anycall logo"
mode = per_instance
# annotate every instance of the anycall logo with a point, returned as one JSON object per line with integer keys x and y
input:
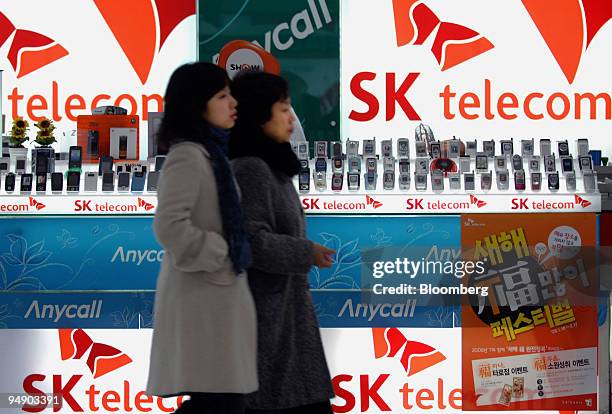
{"x": 430, "y": 203}
{"x": 525, "y": 203}
{"x": 86, "y": 206}
{"x": 31, "y": 205}
{"x": 140, "y": 29}
{"x": 568, "y": 28}
{"x": 101, "y": 360}
{"x": 336, "y": 204}
{"x": 413, "y": 357}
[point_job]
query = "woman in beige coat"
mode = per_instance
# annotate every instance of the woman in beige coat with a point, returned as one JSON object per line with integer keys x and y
{"x": 204, "y": 338}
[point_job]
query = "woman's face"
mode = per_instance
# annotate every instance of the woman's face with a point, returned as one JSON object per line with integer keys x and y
{"x": 280, "y": 125}
{"x": 221, "y": 110}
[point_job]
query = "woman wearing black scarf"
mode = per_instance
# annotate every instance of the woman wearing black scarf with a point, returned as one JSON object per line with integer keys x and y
{"x": 204, "y": 338}
{"x": 293, "y": 374}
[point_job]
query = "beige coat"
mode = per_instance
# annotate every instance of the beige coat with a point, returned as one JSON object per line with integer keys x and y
{"x": 204, "y": 337}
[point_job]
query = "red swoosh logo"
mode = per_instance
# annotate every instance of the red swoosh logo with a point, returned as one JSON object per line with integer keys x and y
{"x": 568, "y": 27}
{"x": 136, "y": 28}
{"x": 414, "y": 356}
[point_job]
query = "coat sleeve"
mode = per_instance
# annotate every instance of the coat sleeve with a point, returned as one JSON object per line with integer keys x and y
{"x": 272, "y": 252}
{"x": 191, "y": 248}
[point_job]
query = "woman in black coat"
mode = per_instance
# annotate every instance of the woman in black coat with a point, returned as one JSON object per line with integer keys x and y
{"x": 293, "y": 373}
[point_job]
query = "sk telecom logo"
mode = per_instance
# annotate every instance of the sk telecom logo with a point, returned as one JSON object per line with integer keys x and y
{"x": 581, "y": 201}
{"x": 477, "y": 202}
{"x": 147, "y": 206}
{"x": 414, "y": 356}
{"x": 371, "y": 202}
{"x": 37, "y": 204}
{"x": 29, "y": 50}
{"x": 568, "y": 27}
{"x": 453, "y": 44}
{"x": 102, "y": 358}
{"x": 141, "y": 27}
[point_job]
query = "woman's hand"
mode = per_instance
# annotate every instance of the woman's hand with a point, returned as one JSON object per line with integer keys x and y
{"x": 322, "y": 255}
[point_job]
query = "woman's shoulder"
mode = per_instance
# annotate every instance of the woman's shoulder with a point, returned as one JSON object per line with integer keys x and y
{"x": 250, "y": 166}
{"x": 188, "y": 148}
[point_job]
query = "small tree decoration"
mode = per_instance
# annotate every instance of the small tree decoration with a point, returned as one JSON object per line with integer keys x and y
{"x": 44, "y": 136}
{"x": 18, "y": 133}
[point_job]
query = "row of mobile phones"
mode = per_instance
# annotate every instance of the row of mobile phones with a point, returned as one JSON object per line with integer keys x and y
{"x": 125, "y": 182}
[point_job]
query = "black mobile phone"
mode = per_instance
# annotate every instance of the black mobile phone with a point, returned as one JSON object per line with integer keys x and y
{"x": 74, "y": 180}
{"x": 108, "y": 181}
{"x": 41, "y": 182}
{"x": 152, "y": 179}
{"x": 42, "y": 162}
{"x": 26, "y": 183}
{"x": 105, "y": 165}
{"x": 123, "y": 142}
{"x": 57, "y": 181}
{"x": 93, "y": 143}
{"x": 9, "y": 183}
{"x": 159, "y": 162}
{"x": 75, "y": 157}
{"x": 123, "y": 181}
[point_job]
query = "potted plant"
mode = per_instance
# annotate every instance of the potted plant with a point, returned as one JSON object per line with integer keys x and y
{"x": 44, "y": 138}
{"x": 18, "y": 137}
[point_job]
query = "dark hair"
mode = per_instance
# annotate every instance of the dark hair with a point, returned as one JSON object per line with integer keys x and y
{"x": 256, "y": 92}
{"x": 189, "y": 89}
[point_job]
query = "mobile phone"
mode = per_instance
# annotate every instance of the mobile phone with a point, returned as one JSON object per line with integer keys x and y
{"x": 371, "y": 164}
{"x": 386, "y": 148}
{"x": 57, "y": 182}
{"x": 74, "y": 157}
{"x": 488, "y": 147}
{"x": 370, "y": 178}
{"x": 4, "y": 165}
{"x": 420, "y": 181}
{"x": 41, "y": 182}
{"x": 74, "y": 181}
{"x": 507, "y": 147}
{"x": 123, "y": 144}
{"x": 388, "y": 180}
{"x": 404, "y": 166}
{"x": 545, "y": 147}
{"x": 336, "y": 149}
{"x": 369, "y": 147}
{"x": 93, "y": 143}
{"x": 338, "y": 166}
{"x": 421, "y": 148}
{"x": 353, "y": 180}
{"x": 336, "y": 183}
{"x": 320, "y": 180}
{"x": 404, "y": 181}
{"x": 454, "y": 148}
{"x": 582, "y": 147}
{"x": 553, "y": 181}
{"x": 9, "y": 183}
{"x": 153, "y": 177}
{"x": 502, "y": 180}
{"x": 123, "y": 181}
{"x": 90, "y": 182}
{"x": 570, "y": 181}
{"x": 567, "y": 164}
{"x": 388, "y": 164}
{"x": 321, "y": 164}
{"x": 437, "y": 180}
{"x": 500, "y": 163}
{"x": 436, "y": 151}
{"x": 486, "y": 180}
{"x": 517, "y": 162}
{"x": 422, "y": 165}
{"x": 105, "y": 164}
{"x": 536, "y": 181}
{"x": 519, "y": 180}
{"x": 108, "y": 181}
{"x": 482, "y": 162}
{"x": 138, "y": 181}
{"x": 352, "y": 148}
{"x": 468, "y": 181}
{"x": 585, "y": 162}
{"x": 41, "y": 162}
{"x": 563, "y": 148}
{"x": 321, "y": 149}
{"x": 159, "y": 161}
{"x": 534, "y": 163}
{"x": 550, "y": 163}
{"x": 20, "y": 164}
{"x": 470, "y": 148}
{"x": 465, "y": 164}
{"x": 589, "y": 181}
{"x": 454, "y": 181}
{"x": 354, "y": 164}
{"x": 527, "y": 148}
{"x": 403, "y": 148}
{"x": 26, "y": 183}
{"x": 302, "y": 151}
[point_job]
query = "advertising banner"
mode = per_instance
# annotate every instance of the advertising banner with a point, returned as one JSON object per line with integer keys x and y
{"x": 531, "y": 342}
{"x": 62, "y": 59}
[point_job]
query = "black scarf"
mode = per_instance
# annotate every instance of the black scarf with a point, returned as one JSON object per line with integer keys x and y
{"x": 216, "y": 144}
{"x": 280, "y": 157}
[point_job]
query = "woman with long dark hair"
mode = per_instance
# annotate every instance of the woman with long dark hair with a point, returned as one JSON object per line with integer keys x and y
{"x": 293, "y": 374}
{"x": 204, "y": 338}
